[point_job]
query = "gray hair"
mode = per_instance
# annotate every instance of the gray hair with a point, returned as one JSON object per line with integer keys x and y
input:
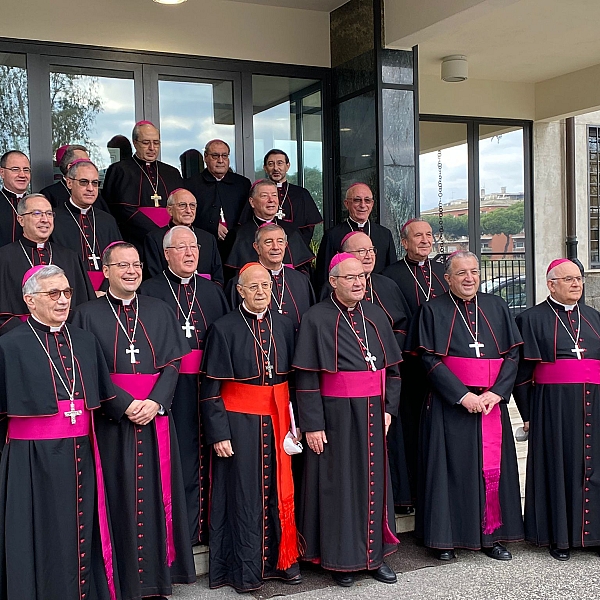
{"x": 404, "y": 230}
{"x": 69, "y": 156}
{"x": 267, "y": 229}
{"x": 22, "y": 204}
{"x": 215, "y": 141}
{"x": 258, "y": 185}
{"x": 72, "y": 172}
{"x": 135, "y": 133}
{"x": 335, "y": 271}
{"x": 458, "y": 254}
{"x": 32, "y": 285}
{"x": 169, "y": 235}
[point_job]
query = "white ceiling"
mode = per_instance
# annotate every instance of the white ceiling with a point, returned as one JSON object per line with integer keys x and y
{"x": 321, "y": 5}
{"x": 523, "y": 41}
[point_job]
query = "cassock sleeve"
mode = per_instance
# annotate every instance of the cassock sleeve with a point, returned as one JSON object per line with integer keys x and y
{"x": 391, "y": 256}
{"x": 84, "y": 288}
{"x": 393, "y": 385}
{"x": 310, "y": 403}
{"x": 164, "y": 388}
{"x": 530, "y": 353}
{"x": 106, "y": 388}
{"x": 324, "y": 256}
{"x": 216, "y": 271}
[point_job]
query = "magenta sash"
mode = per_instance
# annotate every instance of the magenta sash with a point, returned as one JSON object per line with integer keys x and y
{"x": 206, "y": 276}
{"x": 58, "y": 426}
{"x": 190, "y": 363}
{"x": 586, "y": 370}
{"x": 97, "y": 278}
{"x": 140, "y": 385}
{"x": 157, "y": 214}
{"x": 480, "y": 372}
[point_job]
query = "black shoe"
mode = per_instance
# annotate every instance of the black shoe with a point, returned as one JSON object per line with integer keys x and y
{"x": 446, "y": 554}
{"x": 343, "y": 579}
{"x": 384, "y": 574}
{"x": 559, "y": 553}
{"x": 296, "y": 580}
{"x": 404, "y": 510}
{"x": 498, "y": 552}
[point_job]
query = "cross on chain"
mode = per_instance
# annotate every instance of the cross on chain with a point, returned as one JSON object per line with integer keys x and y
{"x": 132, "y": 351}
{"x": 579, "y": 351}
{"x": 370, "y": 359}
{"x": 95, "y": 260}
{"x": 280, "y": 214}
{"x": 156, "y": 199}
{"x": 188, "y": 328}
{"x": 73, "y": 414}
{"x": 269, "y": 369}
{"x": 477, "y": 346}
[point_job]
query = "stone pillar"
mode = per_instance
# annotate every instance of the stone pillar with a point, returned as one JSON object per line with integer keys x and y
{"x": 375, "y": 114}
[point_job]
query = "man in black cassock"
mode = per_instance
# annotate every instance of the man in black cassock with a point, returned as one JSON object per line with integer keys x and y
{"x": 15, "y": 171}
{"x": 557, "y": 392}
{"x": 296, "y": 205}
{"x": 181, "y": 206}
{"x": 346, "y": 358}
{"x": 136, "y": 189}
{"x": 291, "y": 293}
{"x": 359, "y": 204}
{"x": 221, "y": 193}
{"x": 264, "y": 201}
{"x": 143, "y": 343}
{"x": 33, "y": 248}
{"x": 420, "y": 279}
{"x": 197, "y": 303}
{"x": 246, "y": 411}
{"x": 78, "y": 224}
{"x": 52, "y": 376}
{"x": 469, "y": 494}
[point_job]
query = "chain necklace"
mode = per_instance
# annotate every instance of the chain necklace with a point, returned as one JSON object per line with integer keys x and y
{"x": 361, "y": 229}
{"x": 364, "y": 347}
{"x": 278, "y": 302}
{"x": 267, "y": 354}
{"x": 132, "y": 349}
{"x": 280, "y": 214}
{"x": 8, "y": 200}
{"x": 27, "y": 255}
{"x": 428, "y": 294}
{"x": 576, "y": 349}
{"x": 155, "y": 197}
{"x": 92, "y": 249}
{"x": 188, "y": 328}
{"x": 476, "y": 344}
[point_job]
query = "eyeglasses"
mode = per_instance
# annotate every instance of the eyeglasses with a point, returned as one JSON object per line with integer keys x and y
{"x": 148, "y": 143}
{"x": 125, "y": 265}
{"x": 216, "y": 156}
{"x": 362, "y": 252}
{"x": 16, "y": 170}
{"x": 570, "y": 279}
{"x": 473, "y": 272}
{"x": 351, "y": 278}
{"x": 85, "y": 182}
{"x": 38, "y": 214}
{"x": 359, "y": 201}
{"x": 183, "y": 248}
{"x": 55, "y": 294}
{"x": 263, "y": 286}
{"x": 184, "y": 205}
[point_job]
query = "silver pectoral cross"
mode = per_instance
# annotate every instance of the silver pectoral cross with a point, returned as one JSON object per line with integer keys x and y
{"x": 280, "y": 214}
{"x": 370, "y": 360}
{"x": 269, "y": 369}
{"x": 156, "y": 198}
{"x": 188, "y": 329}
{"x": 477, "y": 345}
{"x": 579, "y": 351}
{"x": 132, "y": 352}
{"x": 95, "y": 260}
{"x": 73, "y": 414}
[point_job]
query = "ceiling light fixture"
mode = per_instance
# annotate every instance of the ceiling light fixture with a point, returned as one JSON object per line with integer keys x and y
{"x": 170, "y": 1}
{"x": 455, "y": 68}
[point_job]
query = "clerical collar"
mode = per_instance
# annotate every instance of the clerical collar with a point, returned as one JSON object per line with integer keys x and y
{"x": 280, "y": 183}
{"x": 17, "y": 196}
{"x": 31, "y": 244}
{"x": 142, "y": 162}
{"x": 43, "y": 327}
{"x": 459, "y": 299}
{"x": 273, "y": 271}
{"x": 117, "y": 300}
{"x": 183, "y": 280}
{"x": 83, "y": 211}
{"x": 419, "y": 263}
{"x": 565, "y": 306}
{"x": 262, "y": 221}
{"x": 258, "y": 316}
{"x": 359, "y": 225}
{"x": 341, "y": 305}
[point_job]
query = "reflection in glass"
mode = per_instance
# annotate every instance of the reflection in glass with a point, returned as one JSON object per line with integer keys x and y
{"x": 14, "y": 116}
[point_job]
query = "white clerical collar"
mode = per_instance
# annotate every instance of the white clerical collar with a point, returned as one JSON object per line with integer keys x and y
{"x": 41, "y": 246}
{"x": 52, "y": 329}
{"x": 565, "y": 306}
{"x": 259, "y": 316}
{"x": 122, "y": 300}
{"x": 273, "y": 271}
{"x": 18, "y": 196}
{"x": 184, "y": 280}
{"x": 84, "y": 211}
{"x": 359, "y": 225}
{"x": 219, "y": 178}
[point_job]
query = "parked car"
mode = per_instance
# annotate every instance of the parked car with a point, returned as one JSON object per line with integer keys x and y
{"x": 512, "y": 289}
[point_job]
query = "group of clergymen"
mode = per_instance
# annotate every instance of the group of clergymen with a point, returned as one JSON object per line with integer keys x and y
{"x": 149, "y": 410}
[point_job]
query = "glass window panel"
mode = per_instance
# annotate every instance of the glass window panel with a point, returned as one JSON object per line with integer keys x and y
{"x": 312, "y": 150}
{"x": 14, "y": 116}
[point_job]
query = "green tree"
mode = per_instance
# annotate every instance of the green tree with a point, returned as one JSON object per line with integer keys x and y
{"x": 454, "y": 227}
{"x": 508, "y": 221}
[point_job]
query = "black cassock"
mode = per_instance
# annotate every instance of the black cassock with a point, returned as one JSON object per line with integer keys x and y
{"x": 298, "y": 208}
{"x": 58, "y": 193}
{"x": 51, "y": 545}
{"x": 244, "y": 518}
{"x": 332, "y": 242}
{"x": 209, "y": 262}
{"x": 346, "y": 495}
{"x": 418, "y": 282}
{"x": 291, "y": 292}
{"x": 562, "y": 493}
{"x": 133, "y": 482}
{"x": 209, "y": 305}
{"x": 10, "y": 230}
{"x": 19, "y": 257}
{"x": 240, "y": 240}
{"x": 451, "y": 492}
{"x": 128, "y": 186}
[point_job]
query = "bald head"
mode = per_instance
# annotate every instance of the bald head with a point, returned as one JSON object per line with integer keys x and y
{"x": 254, "y": 286}
{"x": 359, "y": 202}
{"x": 182, "y": 205}
{"x": 361, "y": 246}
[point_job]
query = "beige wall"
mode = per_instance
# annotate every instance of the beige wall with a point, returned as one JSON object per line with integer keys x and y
{"x": 198, "y": 27}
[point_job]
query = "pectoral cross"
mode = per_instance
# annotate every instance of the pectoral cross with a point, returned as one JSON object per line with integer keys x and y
{"x": 73, "y": 414}
{"x": 188, "y": 329}
{"x": 269, "y": 369}
{"x": 370, "y": 360}
{"x": 222, "y": 216}
{"x": 95, "y": 260}
{"x": 579, "y": 351}
{"x": 132, "y": 351}
{"x": 156, "y": 199}
{"x": 476, "y": 345}
{"x": 280, "y": 214}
